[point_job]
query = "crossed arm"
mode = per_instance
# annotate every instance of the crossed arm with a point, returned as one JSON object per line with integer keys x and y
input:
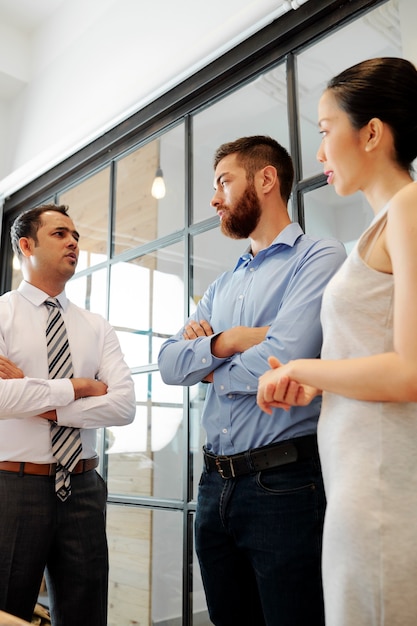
{"x": 228, "y": 342}
{"x": 82, "y": 387}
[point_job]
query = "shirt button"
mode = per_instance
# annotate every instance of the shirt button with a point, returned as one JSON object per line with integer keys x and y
{"x": 224, "y": 431}
{"x": 252, "y": 269}
{"x": 230, "y": 396}
{"x": 222, "y": 387}
{"x": 241, "y": 297}
{"x": 204, "y": 360}
{"x": 248, "y": 387}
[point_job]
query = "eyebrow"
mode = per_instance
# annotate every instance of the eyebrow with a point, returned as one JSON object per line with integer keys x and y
{"x": 219, "y": 177}
{"x": 75, "y": 233}
{"x": 323, "y": 119}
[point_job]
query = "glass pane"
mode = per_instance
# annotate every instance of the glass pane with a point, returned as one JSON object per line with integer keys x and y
{"x": 139, "y": 216}
{"x": 88, "y": 205}
{"x": 206, "y": 267}
{"x": 329, "y": 215}
{"x": 200, "y": 613}
{"x": 145, "y": 457}
{"x": 17, "y": 275}
{"x": 197, "y": 433}
{"x": 167, "y": 540}
{"x": 213, "y": 253}
{"x": 145, "y": 553}
{"x": 259, "y": 108}
{"x": 147, "y": 301}
{"x": 89, "y": 292}
{"x": 377, "y": 33}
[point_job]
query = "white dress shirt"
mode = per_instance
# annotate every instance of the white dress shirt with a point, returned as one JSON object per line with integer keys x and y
{"x": 95, "y": 352}
{"x": 18, "y": 397}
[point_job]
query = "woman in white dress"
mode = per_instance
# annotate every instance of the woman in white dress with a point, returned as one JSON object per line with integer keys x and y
{"x": 368, "y": 371}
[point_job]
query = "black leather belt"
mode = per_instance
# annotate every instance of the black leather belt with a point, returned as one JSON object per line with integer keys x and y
{"x": 266, "y": 457}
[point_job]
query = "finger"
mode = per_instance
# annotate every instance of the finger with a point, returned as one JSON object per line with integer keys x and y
{"x": 301, "y": 397}
{"x": 280, "y": 390}
{"x": 206, "y": 328}
{"x": 274, "y": 362}
{"x": 292, "y": 392}
{"x": 263, "y": 405}
{"x": 280, "y": 405}
{"x": 7, "y": 372}
{"x": 189, "y": 332}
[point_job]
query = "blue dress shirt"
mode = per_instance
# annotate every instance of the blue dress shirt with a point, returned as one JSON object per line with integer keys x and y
{"x": 281, "y": 287}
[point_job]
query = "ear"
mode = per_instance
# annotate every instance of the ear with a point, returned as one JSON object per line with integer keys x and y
{"x": 26, "y": 246}
{"x": 269, "y": 178}
{"x": 372, "y": 133}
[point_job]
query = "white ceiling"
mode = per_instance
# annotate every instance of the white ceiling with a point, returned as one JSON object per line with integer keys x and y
{"x": 63, "y": 45}
{"x": 26, "y": 15}
{"x": 35, "y": 33}
{"x": 23, "y": 22}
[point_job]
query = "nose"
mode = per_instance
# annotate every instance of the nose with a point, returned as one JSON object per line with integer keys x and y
{"x": 320, "y": 154}
{"x": 215, "y": 201}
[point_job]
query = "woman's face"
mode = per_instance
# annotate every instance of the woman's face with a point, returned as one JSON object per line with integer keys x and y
{"x": 342, "y": 147}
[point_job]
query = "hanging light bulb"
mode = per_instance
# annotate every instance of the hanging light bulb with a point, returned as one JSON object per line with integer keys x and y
{"x": 158, "y": 185}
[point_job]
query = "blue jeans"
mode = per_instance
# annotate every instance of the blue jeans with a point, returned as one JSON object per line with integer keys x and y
{"x": 258, "y": 541}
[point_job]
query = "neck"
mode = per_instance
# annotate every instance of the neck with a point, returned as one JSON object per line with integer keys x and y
{"x": 266, "y": 231}
{"x": 51, "y": 289}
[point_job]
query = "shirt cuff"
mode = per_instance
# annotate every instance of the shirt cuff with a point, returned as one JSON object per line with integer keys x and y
{"x": 62, "y": 392}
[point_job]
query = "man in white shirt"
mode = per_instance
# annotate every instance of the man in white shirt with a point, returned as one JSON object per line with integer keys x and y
{"x": 39, "y": 532}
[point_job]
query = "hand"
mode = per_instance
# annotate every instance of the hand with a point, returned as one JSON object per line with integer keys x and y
{"x": 86, "y": 387}
{"x": 9, "y": 370}
{"x": 237, "y": 339}
{"x": 277, "y": 389}
{"x": 197, "y": 329}
{"x": 83, "y": 388}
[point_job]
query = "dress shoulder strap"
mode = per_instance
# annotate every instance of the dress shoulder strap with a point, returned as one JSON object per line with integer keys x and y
{"x": 372, "y": 237}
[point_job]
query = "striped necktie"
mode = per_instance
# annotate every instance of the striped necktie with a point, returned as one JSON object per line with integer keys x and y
{"x": 66, "y": 441}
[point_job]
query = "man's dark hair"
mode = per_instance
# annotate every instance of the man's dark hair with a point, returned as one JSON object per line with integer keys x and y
{"x": 28, "y": 223}
{"x": 254, "y": 153}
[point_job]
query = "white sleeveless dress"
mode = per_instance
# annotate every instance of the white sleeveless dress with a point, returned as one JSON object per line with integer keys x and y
{"x": 369, "y": 457}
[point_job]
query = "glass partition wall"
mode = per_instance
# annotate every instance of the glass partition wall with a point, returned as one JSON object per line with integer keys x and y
{"x": 144, "y": 264}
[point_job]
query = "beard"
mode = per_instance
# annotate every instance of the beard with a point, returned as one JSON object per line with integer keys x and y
{"x": 240, "y": 220}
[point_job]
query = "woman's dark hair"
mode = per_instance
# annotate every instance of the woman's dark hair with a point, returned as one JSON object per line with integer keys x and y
{"x": 28, "y": 223}
{"x": 385, "y": 88}
{"x": 254, "y": 153}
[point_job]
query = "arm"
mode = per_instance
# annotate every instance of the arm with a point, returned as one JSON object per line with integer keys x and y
{"x": 295, "y": 330}
{"x": 227, "y": 343}
{"x": 117, "y": 406}
{"x": 19, "y": 395}
{"x": 278, "y": 390}
{"x": 386, "y": 377}
{"x": 290, "y": 312}
{"x": 27, "y": 397}
{"x": 186, "y": 357}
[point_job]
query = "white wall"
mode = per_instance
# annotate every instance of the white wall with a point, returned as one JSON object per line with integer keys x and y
{"x": 91, "y": 64}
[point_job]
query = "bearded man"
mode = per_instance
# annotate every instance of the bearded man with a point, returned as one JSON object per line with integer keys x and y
{"x": 261, "y": 500}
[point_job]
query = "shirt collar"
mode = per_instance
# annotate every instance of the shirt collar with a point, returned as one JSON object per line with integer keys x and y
{"x": 287, "y": 237}
{"x": 37, "y": 296}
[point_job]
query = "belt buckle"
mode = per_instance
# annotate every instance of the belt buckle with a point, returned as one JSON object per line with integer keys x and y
{"x": 218, "y": 462}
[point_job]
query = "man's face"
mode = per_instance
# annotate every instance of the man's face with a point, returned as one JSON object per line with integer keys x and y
{"x": 235, "y": 199}
{"x": 55, "y": 251}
